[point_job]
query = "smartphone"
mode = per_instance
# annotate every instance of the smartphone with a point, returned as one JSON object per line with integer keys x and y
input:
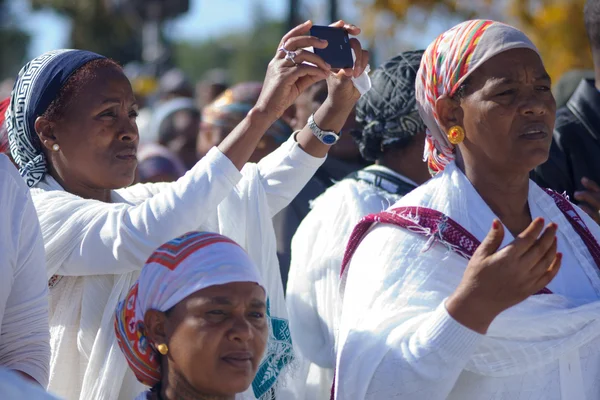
{"x": 338, "y": 52}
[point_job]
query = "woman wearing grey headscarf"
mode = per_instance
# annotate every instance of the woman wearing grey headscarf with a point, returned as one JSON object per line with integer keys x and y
{"x": 392, "y": 137}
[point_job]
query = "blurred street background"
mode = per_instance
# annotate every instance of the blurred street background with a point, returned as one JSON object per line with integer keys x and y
{"x": 235, "y": 39}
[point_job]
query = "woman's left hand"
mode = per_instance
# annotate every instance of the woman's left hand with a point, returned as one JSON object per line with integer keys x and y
{"x": 341, "y": 91}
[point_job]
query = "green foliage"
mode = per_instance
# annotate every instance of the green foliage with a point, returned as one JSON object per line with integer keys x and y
{"x": 245, "y": 54}
{"x": 95, "y": 29}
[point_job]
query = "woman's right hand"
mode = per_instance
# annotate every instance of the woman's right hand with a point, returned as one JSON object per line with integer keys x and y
{"x": 497, "y": 280}
{"x": 285, "y": 80}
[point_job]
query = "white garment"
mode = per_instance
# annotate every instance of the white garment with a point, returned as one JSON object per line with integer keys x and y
{"x": 312, "y": 290}
{"x": 396, "y": 339}
{"x": 15, "y": 387}
{"x": 24, "y": 335}
{"x": 101, "y": 247}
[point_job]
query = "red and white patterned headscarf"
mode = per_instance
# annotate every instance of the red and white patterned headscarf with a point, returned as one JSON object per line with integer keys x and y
{"x": 174, "y": 271}
{"x": 447, "y": 62}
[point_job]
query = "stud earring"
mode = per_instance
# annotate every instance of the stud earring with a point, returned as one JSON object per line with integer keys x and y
{"x": 163, "y": 349}
{"x": 456, "y": 135}
{"x": 55, "y": 147}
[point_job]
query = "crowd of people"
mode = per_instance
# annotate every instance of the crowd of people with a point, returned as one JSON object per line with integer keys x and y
{"x": 323, "y": 234}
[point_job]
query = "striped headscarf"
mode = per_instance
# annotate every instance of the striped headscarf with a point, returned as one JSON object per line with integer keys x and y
{"x": 174, "y": 271}
{"x": 38, "y": 84}
{"x": 232, "y": 106}
{"x": 447, "y": 62}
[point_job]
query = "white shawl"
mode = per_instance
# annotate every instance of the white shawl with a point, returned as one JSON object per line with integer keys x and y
{"x": 393, "y": 314}
{"x": 124, "y": 233}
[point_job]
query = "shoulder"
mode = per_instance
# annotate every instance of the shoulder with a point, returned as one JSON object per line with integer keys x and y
{"x": 565, "y": 121}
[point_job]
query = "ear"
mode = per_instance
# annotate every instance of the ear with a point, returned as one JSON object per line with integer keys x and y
{"x": 155, "y": 322}
{"x": 45, "y": 131}
{"x": 449, "y": 111}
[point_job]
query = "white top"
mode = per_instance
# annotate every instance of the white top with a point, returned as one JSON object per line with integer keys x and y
{"x": 15, "y": 387}
{"x": 398, "y": 341}
{"x": 312, "y": 290}
{"x": 24, "y": 337}
{"x": 101, "y": 247}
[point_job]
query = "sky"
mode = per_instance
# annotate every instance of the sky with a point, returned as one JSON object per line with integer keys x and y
{"x": 206, "y": 18}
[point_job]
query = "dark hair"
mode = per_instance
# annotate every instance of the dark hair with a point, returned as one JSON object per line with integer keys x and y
{"x": 74, "y": 85}
{"x": 388, "y": 112}
{"x": 591, "y": 16}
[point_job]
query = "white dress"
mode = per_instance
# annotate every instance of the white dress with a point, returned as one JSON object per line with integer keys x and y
{"x": 24, "y": 336}
{"x": 99, "y": 248}
{"x": 312, "y": 291}
{"x": 397, "y": 341}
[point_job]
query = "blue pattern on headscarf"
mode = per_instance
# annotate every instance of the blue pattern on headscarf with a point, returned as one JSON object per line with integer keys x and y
{"x": 37, "y": 85}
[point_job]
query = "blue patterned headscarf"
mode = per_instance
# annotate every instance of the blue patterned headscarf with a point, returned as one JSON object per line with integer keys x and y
{"x": 37, "y": 85}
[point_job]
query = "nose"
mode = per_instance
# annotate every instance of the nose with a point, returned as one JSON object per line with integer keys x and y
{"x": 241, "y": 330}
{"x": 128, "y": 130}
{"x": 537, "y": 104}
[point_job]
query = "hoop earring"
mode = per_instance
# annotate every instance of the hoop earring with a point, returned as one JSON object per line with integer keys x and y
{"x": 456, "y": 135}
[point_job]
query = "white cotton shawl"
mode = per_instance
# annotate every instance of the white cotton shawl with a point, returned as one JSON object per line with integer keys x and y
{"x": 399, "y": 297}
{"x": 312, "y": 290}
{"x": 243, "y": 216}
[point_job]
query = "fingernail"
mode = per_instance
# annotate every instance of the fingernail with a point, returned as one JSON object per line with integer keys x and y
{"x": 322, "y": 40}
{"x": 576, "y": 194}
{"x": 553, "y": 225}
{"x": 496, "y": 224}
{"x": 584, "y": 179}
{"x": 328, "y": 66}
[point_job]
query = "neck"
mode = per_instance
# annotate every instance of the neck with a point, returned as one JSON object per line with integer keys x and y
{"x": 406, "y": 162}
{"x": 505, "y": 193}
{"x": 176, "y": 387}
{"x": 82, "y": 191}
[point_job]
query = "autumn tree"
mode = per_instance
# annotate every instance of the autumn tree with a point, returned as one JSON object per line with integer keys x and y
{"x": 555, "y": 26}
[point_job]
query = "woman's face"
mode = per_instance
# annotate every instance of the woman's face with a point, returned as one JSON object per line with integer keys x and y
{"x": 97, "y": 135}
{"x": 508, "y": 113}
{"x": 217, "y": 337}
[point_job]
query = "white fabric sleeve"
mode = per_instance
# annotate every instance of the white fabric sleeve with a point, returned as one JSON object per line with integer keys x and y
{"x": 25, "y": 338}
{"x": 285, "y": 172}
{"x": 396, "y": 338}
{"x": 120, "y": 237}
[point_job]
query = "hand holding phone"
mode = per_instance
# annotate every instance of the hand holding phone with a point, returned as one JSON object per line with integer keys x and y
{"x": 338, "y": 52}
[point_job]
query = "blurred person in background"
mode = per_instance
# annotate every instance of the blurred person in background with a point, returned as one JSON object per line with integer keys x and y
{"x": 4, "y": 147}
{"x": 214, "y": 82}
{"x": 6, "y": 87}
{"x": 228, "y": 110}
{"x": 174, "y": 124}
{"x": 71, "y": 125}
{"x": 173, "y": 84}
{"x": 574, "y": 163}
{"x": 392, "y": 137}
{"x": 338, "y": 165}
{"x": 156, "y": 164}
{"x": 567, "y": 85}
{"x": 199, "y": 318}
{"x": 14, "y": 387}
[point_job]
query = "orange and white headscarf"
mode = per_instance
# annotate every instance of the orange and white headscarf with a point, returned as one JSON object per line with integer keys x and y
{"x": 447, "y": 62}
{"x": 174, "y": 271}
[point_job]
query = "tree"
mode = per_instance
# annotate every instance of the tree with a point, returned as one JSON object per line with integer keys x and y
{"x": 94, "y": 28}
{"x": 13, "y": 43}
{"x": 555, "y": 26}
{"x": 245, "y": 54}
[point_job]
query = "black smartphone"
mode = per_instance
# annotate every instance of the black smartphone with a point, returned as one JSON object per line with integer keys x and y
{"x": 338, "y": 52}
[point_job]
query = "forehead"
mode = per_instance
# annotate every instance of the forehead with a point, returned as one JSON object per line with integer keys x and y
{"x": 107, "y": 82}
{"x": 515, "y": 65}
{"x": 235, "y": 292}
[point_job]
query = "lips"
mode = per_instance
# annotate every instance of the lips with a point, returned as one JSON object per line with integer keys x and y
{"x": 239, "y": 359}
{"x": 127, "y": 154}
{"x": 535, "y": 131}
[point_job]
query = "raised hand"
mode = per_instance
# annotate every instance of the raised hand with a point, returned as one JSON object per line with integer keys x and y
{"x": 286, "y": 78}
{"x": 496, "y": 280}
{"x": 341, "y": 90}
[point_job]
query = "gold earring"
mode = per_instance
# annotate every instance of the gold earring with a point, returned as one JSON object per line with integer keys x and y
{"x": 456, "y": 135}
{"x": 55, "y": 147}
{"x": 163, "y": 349}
